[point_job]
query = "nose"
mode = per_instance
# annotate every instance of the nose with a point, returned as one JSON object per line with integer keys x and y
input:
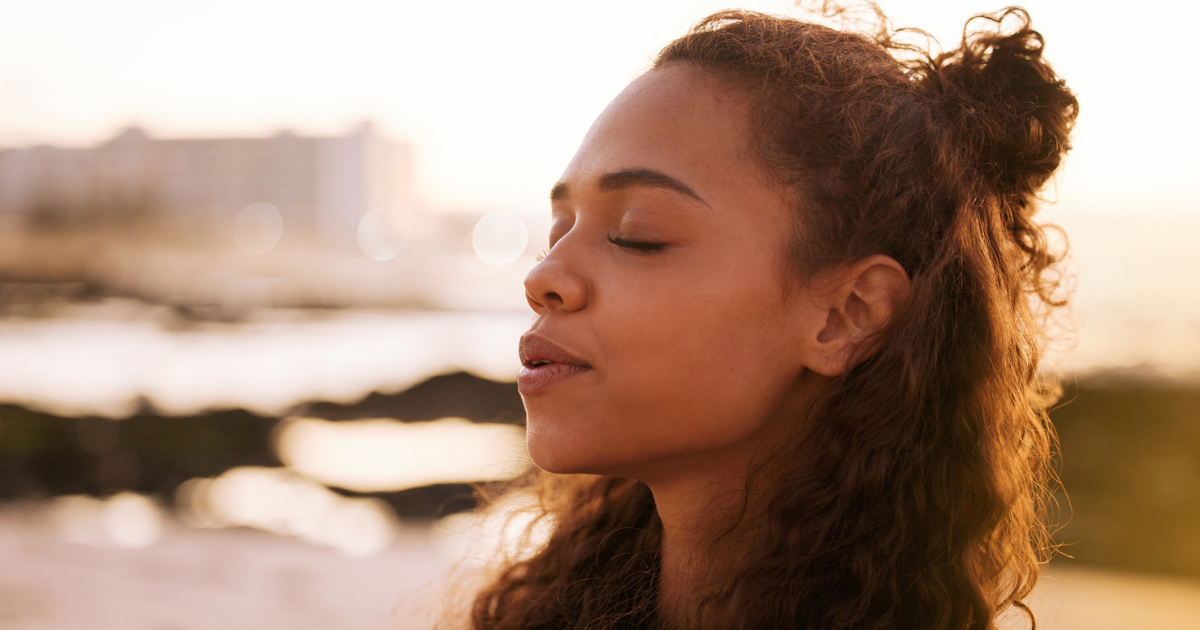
{"x": 554, "y": 284}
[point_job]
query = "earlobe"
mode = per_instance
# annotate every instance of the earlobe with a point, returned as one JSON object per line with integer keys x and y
{"x": 860, "y": 301}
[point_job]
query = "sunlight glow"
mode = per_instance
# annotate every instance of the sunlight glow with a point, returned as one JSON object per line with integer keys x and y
{"x": 104, "y": 366}
{"x": 125, "y": 519}
{"x": 513, "y": 528}
{"x": 281, "y": 501}
{"x": 388, "y": 455}
{"x": 473, "y": 87}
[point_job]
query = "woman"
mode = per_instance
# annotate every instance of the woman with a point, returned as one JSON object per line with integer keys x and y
{"x": 783, "y": 369}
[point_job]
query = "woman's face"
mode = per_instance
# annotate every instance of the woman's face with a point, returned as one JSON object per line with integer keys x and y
{"x": 666, "y": 328}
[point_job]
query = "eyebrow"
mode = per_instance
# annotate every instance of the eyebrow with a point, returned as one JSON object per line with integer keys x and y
{"x": 628, "y": 178}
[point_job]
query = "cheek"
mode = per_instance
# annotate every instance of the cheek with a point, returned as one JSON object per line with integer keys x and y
{"x": 713, "y": 375}
{"x": 717, "y": 337}
{"x": 681, "y": 376}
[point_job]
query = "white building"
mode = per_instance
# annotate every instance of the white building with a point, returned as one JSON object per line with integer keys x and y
{"x": 322, "y": 186}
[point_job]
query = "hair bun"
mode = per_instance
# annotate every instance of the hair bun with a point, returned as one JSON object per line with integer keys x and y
{"x": 1012, "y": 113}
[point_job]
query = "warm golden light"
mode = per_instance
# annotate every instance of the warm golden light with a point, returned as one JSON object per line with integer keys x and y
{"x": 387, "y": 455}
{"x": 125, "y": 519}
{"x": 281, "y": 501}
{"x": 511, "y": 529}
{"x": 251, "y": 210}
{"x": 103, "y": 366}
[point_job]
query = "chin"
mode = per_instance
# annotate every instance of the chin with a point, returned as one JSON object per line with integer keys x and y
{"x": 553, "y": 445}
{"x": 552, "y": 455}
{"x": 566, "y": 452}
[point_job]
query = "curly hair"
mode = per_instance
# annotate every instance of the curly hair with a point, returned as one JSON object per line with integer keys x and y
{"x": 916, "y": 495}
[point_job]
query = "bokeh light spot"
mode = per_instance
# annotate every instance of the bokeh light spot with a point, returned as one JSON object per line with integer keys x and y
{"x": 257, "y": 228}
{"x": 381, "y": 455}
{"x": 358, "y": 528}
{"x": 499, "y": 238}
{"x": 126, "y": 519}
{"x": 382, "y": 234}
{"x": 131, "y": 520}
{"x": 511, "y": 529}
{"x": 281, "y": 501}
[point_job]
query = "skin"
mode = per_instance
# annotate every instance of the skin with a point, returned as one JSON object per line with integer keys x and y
{"x": 703, "y": 347}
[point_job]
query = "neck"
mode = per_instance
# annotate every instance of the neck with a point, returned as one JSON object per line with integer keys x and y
{"x": 694, "y": 512}
{"x": 700, "y": 501}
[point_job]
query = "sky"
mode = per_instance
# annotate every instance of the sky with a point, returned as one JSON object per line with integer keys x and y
{"x": 496, "y": 96}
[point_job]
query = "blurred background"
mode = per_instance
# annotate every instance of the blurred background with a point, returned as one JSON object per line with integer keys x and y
{"x": 260, "y": 292}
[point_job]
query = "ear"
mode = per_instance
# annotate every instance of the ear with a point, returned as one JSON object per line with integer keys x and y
{"x": 855, "y": 301}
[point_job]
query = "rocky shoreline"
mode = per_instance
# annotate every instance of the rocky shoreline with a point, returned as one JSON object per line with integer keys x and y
{"x": 1128, "y": 458}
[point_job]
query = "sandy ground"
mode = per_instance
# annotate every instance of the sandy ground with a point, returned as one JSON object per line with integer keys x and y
{"x": 195, "y": 579}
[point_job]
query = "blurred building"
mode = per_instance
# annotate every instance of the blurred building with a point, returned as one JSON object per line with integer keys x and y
{"x": 322, "y": 186}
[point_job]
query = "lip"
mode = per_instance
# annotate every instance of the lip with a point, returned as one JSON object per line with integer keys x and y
{"x": 545, "y": 364}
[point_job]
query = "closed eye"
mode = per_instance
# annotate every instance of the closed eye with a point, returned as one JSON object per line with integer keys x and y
{"x": 640, "y": 246}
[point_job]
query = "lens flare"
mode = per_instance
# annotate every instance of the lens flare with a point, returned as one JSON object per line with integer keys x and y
{"x": 383, "y": 233}
{"x": 499, "y": 238}
{"x": 257, "y": 228}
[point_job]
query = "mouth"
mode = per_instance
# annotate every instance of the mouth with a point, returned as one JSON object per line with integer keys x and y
{"x": 545, "y": 364}
{"x": 537, "y": 351}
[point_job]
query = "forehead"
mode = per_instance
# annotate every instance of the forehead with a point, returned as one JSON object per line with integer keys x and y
{"x": 677, "y": 120}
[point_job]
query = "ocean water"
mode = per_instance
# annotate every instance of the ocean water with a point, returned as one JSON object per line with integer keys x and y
{"x": 88, "y": 364}
{"x": 1136, "y": 294}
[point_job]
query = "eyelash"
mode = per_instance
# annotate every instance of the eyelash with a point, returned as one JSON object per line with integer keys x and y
{"x": 638, "y": 246}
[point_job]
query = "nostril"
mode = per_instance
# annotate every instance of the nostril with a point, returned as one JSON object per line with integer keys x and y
{"x": 554, "y": 285}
